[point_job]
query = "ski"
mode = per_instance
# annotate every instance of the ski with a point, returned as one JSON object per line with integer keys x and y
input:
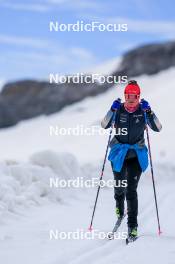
{"x": 116, "y": 227}
{"x": 130, "y": 240}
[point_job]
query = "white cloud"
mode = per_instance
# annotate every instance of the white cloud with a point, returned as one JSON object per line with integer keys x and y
{"x": 81, "y": 53}
{"x": 25, "y": 7}
{"x": 49, "y": 5}
{"x": 76, "y": 4}
{"x": 39, "y": 64}
{"x": 24, "y": 41}
{"x": 164, "y": 27}
{"x": 146, "y": 26}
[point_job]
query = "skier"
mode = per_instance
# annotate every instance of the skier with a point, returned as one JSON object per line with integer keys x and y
{"x": 128, "y": 154}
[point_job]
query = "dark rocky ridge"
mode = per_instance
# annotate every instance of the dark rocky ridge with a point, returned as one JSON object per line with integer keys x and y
{"x": 149, "y": 59}
{"x": 26, "y": 99}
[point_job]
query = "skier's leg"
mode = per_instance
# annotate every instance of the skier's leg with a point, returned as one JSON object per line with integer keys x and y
{"x": 119, "y": 191}
{"x": 133, "y": 176}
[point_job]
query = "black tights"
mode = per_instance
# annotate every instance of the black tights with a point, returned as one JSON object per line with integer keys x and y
{"x": 131, "y": 172}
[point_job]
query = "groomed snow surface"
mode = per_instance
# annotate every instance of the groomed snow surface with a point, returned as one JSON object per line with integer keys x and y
{"x": 30, "y": 208}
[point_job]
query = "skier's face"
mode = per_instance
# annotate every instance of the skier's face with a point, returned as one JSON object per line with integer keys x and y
{"x": 132, "y": 100}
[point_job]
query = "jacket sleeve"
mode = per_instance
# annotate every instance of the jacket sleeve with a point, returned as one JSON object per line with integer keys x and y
{"x": 153, "y": 121}
{"x": 107, "y": 120}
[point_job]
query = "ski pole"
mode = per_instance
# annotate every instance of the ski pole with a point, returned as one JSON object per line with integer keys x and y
{"x": 103, "y": 167}
{"x": 152, "y": 174}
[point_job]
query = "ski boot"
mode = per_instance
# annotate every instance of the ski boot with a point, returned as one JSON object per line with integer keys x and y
{"x": 132, "y": 234}
{"x": 117, "y": 224}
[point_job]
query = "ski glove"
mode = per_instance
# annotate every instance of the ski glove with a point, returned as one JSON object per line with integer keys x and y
{"x": 145, "y": 106}
{"x": 116, "y": 105}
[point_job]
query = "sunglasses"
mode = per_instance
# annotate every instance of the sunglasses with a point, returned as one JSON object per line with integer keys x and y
{"x": 132, "y": 96}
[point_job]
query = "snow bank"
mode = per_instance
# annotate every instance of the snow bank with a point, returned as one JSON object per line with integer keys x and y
{"x": 63, "y": 164}
{"x": 26, "y": 184}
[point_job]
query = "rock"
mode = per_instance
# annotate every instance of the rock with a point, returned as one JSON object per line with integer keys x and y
{"x": 27, "y": 99}
{"x": 148, "y": 59}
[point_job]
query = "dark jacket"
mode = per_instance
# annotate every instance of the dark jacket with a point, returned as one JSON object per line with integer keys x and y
{"x": 133, "y": 124}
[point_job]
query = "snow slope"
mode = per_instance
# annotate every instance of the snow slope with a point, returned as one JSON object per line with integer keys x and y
{"x": 106, "y": 67}
{"x": 29, "y": 208}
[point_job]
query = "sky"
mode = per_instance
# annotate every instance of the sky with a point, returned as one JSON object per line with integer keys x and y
{"x": 29, "y": 50}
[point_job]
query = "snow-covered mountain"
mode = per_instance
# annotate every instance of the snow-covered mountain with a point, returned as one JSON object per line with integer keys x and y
{"x": 30, "y": 208}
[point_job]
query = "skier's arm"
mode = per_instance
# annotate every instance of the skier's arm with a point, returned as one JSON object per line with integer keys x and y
{"x": 107, "y": 120}
{"x": 153, "y": 121}
{"x": 151, "y": 118}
